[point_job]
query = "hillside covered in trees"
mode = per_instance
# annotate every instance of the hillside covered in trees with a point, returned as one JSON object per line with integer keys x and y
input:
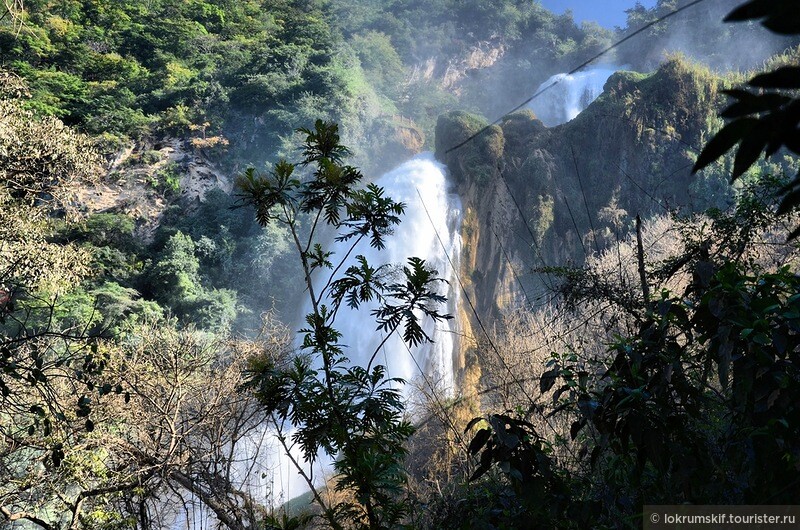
{"x": 188, "y": 183}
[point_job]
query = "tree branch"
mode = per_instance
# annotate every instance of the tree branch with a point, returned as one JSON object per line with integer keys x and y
{"x": 82, "y": 496}
{"x": 11, "y": 517}
{"x": 640, "y": 256}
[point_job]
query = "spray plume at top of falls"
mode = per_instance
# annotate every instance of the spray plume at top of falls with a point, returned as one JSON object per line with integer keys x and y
{"x": 571, "y": 94}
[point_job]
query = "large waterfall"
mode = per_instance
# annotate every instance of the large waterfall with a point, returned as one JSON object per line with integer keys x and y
{"x": 430, "y": 230}
{"x": 430, "y": 210}
{"x": 571, "y": 94}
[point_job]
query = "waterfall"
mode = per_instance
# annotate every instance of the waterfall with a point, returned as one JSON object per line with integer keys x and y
{"x": 429, "y": 229}
{"x": 416, "y": 235}
{"x": 571, "y": 94}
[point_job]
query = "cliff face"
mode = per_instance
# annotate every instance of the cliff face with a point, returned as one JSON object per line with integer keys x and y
{"x": 535, "y": 196}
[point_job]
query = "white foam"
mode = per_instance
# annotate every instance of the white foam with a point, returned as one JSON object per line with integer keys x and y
{"x": 570, "y": 95}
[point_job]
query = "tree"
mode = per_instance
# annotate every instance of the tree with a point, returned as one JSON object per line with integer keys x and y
{"x": 174, "y": 276}
{"x": 39, "y": 158}
{"x": 95, "y": 431}
{"x": 700, "y": 401}
{"x": 11, "y": 10}
{"x": 766, "y": 116}
{"x": 174, "y": 431}
{"x": 318, "y": 401}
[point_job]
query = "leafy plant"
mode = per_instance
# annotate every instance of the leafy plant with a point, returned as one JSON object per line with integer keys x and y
{"x": 167, "y": 180}
{"x": 354, "y": 413}
{"x": 694, "y": 403}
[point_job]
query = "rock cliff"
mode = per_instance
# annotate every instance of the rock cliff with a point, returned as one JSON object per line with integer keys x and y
{"x": 535, "y": 196}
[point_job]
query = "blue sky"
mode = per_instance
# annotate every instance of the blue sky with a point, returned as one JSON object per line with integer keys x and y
{"x": 607, "y": 13}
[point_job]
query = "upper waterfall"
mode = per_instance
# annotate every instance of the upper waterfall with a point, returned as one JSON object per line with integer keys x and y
{"x": 571, "y": 94}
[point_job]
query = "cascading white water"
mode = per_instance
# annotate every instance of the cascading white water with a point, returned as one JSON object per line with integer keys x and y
{"x": 416, "y": 235}
{"x": 571, "y": 94}
{"x": 429, "y": 229}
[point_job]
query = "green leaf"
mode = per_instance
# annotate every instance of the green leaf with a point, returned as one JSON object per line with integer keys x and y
{"x": 557, "y": 394}
{"x": 749, "y": 151}
{"x": 785, "y": 77}
{"x": 485, "y": 464}
{"x": 789, "y": 202}
{"x": 548, "y": 379}
{"x": 703, "y": 273}
{"x": 723, "y": 141}
{"x": 472, "y": 423}
{"x": 762, "y": 339}
{"x": 785, "y": 20}
{"x": 479, "y": 440}
{"x": 749, "y": 10}
{"x": 750, "y": 103}
{"x": 595, "y": 455}
{"x": 780, "y": 16}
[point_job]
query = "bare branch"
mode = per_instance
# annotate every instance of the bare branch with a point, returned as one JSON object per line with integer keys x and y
{"x": 20, "y": 516}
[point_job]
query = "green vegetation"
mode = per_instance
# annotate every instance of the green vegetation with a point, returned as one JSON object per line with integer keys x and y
{"x": 235, "y": 79}
{"x": 252, "y": 72}
{"x": 661, "y": 373}
{"x": 476, "y": 160}
{"x": 701, "y": 33}
{"x": 765, "y": 117}
{"x": 106, "y": 406}
{"x": 694, "y": 400}
{"x": 130, "y": 69}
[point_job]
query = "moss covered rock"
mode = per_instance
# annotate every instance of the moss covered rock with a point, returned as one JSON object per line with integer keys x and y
{"x": 536, "y": 194}
{"x": 475, "y": 161}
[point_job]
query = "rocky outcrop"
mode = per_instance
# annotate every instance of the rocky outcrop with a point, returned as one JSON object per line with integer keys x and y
{"x": 535, "y": 196}
{"x": 481, "y": 56}
{"x": 142, "y": 180}
{"x": 451, "y": 74}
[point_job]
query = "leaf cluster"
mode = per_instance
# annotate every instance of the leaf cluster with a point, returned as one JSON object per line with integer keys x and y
{"x": 766, "y": 116}
{"x": 693, "y": 396}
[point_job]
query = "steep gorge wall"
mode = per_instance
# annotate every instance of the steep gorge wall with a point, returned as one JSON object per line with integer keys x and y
{"x": 535, "y": 196}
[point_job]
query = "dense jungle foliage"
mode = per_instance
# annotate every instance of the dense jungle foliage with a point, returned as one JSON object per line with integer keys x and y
{"x": 236, "y": 79}
{"x": 141, "y": 348}
{"x": 133, "y": 69}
